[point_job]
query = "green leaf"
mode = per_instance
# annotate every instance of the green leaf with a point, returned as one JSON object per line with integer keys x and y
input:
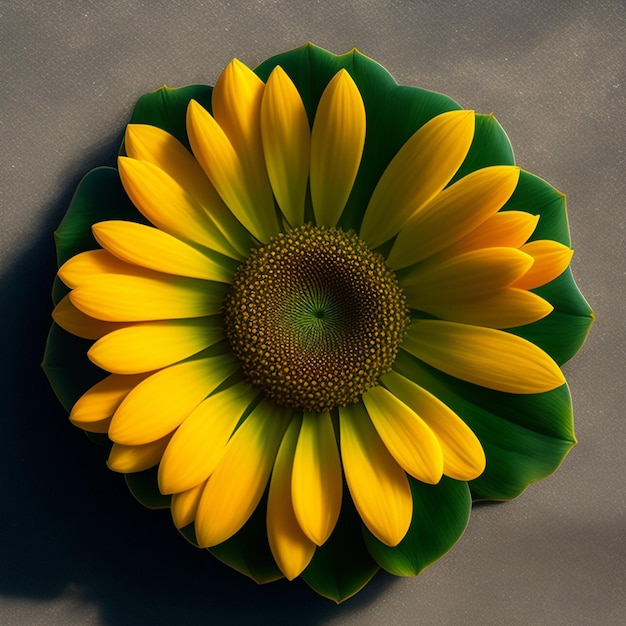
{"x": 534, "y": 195}
{"x": 525, "y": 437}
{"x": 248, "y": 550}
{"x": 59, "y": 290}
{"x": 393, "y": 117}
{"x": 562, "y": 333}
{"x": 98, "y": 197}
{"x": 490, "y": 146}
{"x": 100, "y": 439}
{"x": 166, "y": 108}
{"x": 342, "y": 566}
{"x": 311, "y": 69}
{"x": 440, "y": 515}
{"x": 145, "y": 487}
{"x": 67, "y": 367}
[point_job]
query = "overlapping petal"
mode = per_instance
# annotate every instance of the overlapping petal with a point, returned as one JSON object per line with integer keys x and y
{"x": 237, "y": 484}
{"x": 463, "y": 456}
{"x": 291, "y": 548}
{"x": 169, "y": 206}
{"x": 159, "y": 404}
{"x": 149, "y": 143}
{"x": 156, "y": 250}
{"x": 74, "y": 321}
{"x": 455, "y": 212}
{"x": 199, "y": 443}
{"x": 407, "y": 437}
{"x": 420, "y": 170}
{"x": 478, "y": 273}
{"x": 102, "y": 400}
{"x": 185, "y": 504}
{"x": 108, "y": 289}
{"x": 505, "y": 308}
{"x": 506, "y": 229}
{"x": 377, "y": 484}
{"x": 551, "y": 259}
{"x": 227, "y": 171}
{"x": 127, "y": 459}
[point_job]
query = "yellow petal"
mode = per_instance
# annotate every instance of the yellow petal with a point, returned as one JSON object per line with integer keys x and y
{"x": 420, "y": 170}
{"x": 378, "y": 485}
{"x": 229, "y": 175}
{"x": 551, "y": 260}
{"x": 407, "y": 437}
{"x": 453, "y": 213}
{"x": 316, "y": 483}
{"x": 154, "y": 345}
{"x": 101, "y": 426}
{"x": 119, "y": 298}
{"x": 506, "y": 308}
{"x": 169, "y": 206}
{"x": 473, "y": 274}
{"x": 160, "y": 403}
{"x": 81, "y": 268}
{"x": 291, "y": 548}
{"x": 507, "y": 229}
{"x": 156, "y": 250}
{"x": 100, "y": 401}
{"x": 286, "y": 144}
{"x": 185, "y": 504}
{"x": 200, "y": 441}
{"x": 235, "y": 487}
{"x": 236, "y": 103}
{"x": 463, "y": 455}
{"x": 483, "y": 356}
{"x": 149, "y": 143}
{"x": 69, "y": 318}
{"x": 127, "y": 459}
{"x": 337, "y": 140}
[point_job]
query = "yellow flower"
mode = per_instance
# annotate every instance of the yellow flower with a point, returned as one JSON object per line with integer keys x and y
{"x": 253, "y": 344}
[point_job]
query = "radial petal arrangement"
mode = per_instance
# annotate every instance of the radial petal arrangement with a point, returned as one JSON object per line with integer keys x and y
{"x": 300, "y": 317}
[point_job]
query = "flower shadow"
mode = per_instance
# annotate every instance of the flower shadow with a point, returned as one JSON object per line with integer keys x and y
{"x": 69, "y": 528}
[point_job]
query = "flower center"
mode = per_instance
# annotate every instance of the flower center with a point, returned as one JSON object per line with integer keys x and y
{"x": 315, "y": 318}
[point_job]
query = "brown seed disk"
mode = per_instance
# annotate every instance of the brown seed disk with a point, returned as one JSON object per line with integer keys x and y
{"x": 315, "y": 318}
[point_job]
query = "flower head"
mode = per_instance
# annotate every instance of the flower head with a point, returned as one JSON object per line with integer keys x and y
{"x": 321, "y": 303}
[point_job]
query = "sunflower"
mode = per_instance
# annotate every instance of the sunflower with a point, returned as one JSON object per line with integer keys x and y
{"x": 317, "y": 309}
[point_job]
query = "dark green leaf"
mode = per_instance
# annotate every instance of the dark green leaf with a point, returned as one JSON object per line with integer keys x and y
{"x": 342, "y": 566}
{"x": 166, "y": 108}
{"x": 393, "y": 116}
{"x": 59, "y": 290}
{"x": 98, "y": 197}
{"x": 525, "y": 437}
{"x": 538, "y": 197}
{"x": 562, "y": 333}
{"x": 440, "y": 515}
{"x": 67, "y": 367}
{"x": 145, "y": 487}
{"x": 490, "y": 146}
